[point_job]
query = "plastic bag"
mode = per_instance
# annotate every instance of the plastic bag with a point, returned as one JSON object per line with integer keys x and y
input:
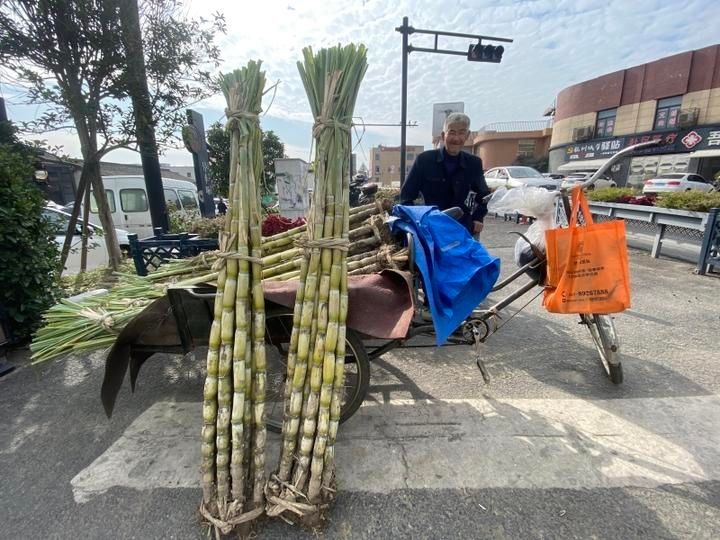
{"x": 536, "y": 235}
{"x": 535, "y": 202}
{"x": 528, "y": 201}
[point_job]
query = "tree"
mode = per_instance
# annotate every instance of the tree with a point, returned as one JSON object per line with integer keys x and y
{"x": 28, "y": 253}
{"x": 70, "y": 56}
{"x": 218, "y": 141}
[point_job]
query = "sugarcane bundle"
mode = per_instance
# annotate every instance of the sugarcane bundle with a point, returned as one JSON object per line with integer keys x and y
{"x": 93, "y": 321}
{"x": 233, "y": 431}
{"x": 305, "y": 480}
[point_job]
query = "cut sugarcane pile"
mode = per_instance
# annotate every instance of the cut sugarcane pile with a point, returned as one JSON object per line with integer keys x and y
{"x": 93, "y": 322}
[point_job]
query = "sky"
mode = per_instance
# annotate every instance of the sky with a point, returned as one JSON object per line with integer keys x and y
{"x": 557, "y": 43}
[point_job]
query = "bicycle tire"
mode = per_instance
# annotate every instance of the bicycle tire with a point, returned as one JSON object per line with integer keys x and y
{"x": 604, "y": 336}
{"x": 278, "y": 326}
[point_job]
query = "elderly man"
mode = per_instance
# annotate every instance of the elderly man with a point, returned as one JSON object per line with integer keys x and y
{"x": 448, "y": 176}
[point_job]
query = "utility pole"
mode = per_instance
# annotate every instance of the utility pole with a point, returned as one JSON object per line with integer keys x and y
{"x": 477, "y": 52}
{"x": 3, "y": 112}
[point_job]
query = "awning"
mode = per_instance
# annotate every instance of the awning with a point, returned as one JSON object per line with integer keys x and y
{"x": 583, "y": 165}
{"x": 708, "y": 152}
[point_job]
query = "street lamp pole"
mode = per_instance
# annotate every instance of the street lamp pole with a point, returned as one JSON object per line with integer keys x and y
{"x": 475, "y": 53}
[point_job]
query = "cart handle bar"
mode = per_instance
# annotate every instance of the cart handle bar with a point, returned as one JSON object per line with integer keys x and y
{"x": 615, "y": 158}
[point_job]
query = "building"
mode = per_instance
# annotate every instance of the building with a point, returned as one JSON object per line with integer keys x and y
{"x": 675, "y": 100}
{"x": 508, "y": 143}
{"x": 385, "y": 163}
{"x": 186, "y": 171}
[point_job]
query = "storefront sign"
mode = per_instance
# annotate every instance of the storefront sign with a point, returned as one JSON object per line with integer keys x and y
{"x": 672, "y": 142}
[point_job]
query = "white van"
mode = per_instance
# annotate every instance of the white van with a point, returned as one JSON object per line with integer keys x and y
{"x": 129, "y": 202}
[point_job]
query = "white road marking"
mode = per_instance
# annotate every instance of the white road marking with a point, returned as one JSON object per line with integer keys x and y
{"x": 452, "y": 444}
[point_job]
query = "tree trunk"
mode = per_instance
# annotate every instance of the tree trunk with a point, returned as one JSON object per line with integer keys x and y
{"x": 92, "y": 164}
{"x": 144, "y": 125}
{"x": 85, "y": 231}
{"x": 83, "y": 186}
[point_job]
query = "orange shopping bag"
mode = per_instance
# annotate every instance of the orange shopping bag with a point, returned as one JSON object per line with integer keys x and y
{"x": 587, "y": 265}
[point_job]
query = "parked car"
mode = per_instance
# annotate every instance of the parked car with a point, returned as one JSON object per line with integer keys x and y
{"x": 97, "y": 250}
{"x": 669, "y": 182}
{"x": 578, "y": 178}
{"x": 517, "y": 176}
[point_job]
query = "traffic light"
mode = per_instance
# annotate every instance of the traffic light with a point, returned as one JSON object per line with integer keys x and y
{"x": 485, "y": 53}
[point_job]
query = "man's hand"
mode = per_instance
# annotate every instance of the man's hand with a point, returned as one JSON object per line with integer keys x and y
{"x": 477, "y": 227}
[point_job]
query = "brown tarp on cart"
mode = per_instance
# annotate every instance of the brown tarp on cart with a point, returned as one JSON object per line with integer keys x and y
{"x": 379, "y": 306}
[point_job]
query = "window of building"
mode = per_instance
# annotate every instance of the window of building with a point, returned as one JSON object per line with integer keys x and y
{"x": 377, "y": 169}
{"x": 668, "y": 110}
{"x": 410, "y": 156}
{"x": 110, "y": 199}
{"x": 526, "y": 147}
{"x": 377, "y": 156}
{"x": 133, "y": 200}
{"x": 605, "y": 123}
{"x": 189, "y": 175}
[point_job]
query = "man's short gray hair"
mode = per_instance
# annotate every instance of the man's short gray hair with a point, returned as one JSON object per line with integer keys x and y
{"x": 457, "y": 118}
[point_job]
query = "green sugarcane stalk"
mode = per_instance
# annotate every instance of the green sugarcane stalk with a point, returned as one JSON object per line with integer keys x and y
{"x": 281, "y": 268}
{"x": 309, "y": 413}
{"x": 330, "y": 349}
{"x": 258, "y": 336}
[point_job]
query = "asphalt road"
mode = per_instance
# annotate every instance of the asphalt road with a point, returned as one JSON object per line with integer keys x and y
{"x": 549, "y": 449}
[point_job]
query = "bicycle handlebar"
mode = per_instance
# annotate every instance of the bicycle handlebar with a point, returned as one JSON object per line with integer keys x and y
{"x": 615, "y": 158}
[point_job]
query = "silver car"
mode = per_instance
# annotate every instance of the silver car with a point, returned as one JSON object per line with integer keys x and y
{"x": 517, "y": 176}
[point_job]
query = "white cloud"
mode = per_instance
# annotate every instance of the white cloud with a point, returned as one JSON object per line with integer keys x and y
{"x": 556, "y": 43}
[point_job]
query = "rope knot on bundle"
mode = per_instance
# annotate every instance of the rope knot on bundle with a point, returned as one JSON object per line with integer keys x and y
{"x": 306, "y": 244}
{"x": 235, "y": 117}
{"x": 322, "y": 123}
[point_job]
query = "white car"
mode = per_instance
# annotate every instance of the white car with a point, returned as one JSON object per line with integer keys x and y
{"x": 670, "y": 182}
{"x": 97, "y": 251}
{"x": 517, "y": 176}
{"x": 578, "y": 178}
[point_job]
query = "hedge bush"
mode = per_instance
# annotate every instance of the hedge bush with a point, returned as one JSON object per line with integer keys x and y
{"x": 695, "y": 201}
{"x": 29, "y": 256}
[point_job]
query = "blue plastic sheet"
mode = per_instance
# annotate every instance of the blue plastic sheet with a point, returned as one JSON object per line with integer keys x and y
{"x": 458, "y": 272}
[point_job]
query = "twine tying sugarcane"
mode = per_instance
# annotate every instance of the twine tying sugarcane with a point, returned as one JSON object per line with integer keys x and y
{"x": 223, "y": 254}
{"x": 322, "y": 123}
{"x": 234, "y": 117}
{"x": 225, "y": 526}
{"x": 307, "y": 244}
{"x": 101, "y": 317}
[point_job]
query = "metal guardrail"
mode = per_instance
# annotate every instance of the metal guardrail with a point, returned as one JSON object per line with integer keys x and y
{"x": 705, "y": 223}
{"x": 710, "y": 251}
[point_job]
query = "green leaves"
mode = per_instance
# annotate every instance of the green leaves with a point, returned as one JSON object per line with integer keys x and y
{"x": 28, "y": 253}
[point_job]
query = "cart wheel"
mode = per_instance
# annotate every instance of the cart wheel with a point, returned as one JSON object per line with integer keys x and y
{"x": 602, "y": 331}
{"x": 278, "y": 328}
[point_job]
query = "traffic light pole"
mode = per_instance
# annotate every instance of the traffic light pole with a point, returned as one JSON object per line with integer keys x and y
{"x": 472, "y": 55}
{"x": 406, "y": 31}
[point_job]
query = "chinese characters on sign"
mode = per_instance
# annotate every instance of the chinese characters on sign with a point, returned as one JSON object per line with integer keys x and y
{"x": 670, "y": 142}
